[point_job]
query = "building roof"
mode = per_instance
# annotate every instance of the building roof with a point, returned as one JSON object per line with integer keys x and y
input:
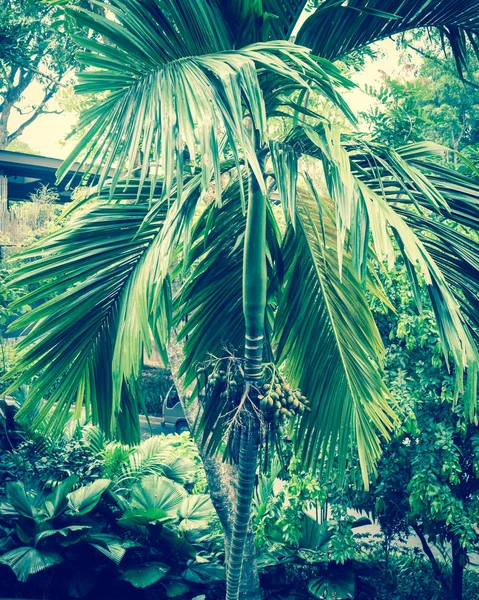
{"x": 27, "y": 172}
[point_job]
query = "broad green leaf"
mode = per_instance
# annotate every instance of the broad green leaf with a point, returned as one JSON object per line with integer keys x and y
{"x": 63, "y": 532}
{"x": 23, "y": 502}
{"x": 84, "y": 499}
{"x": 175, "y": 587}
{"x": 155, "y": 492}
{"x": 336, "y": 585}
{"x": 196, "y": 512}
{"x": 57, "y": 501}
{"x": 146, "y": 574}
{"x": 111, "y": 546}
{"x": 26, "y": 561}
{"x": 204, "y": 572}
{"x": 140, "y": 518}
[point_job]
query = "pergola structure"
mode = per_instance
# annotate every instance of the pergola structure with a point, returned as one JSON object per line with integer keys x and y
{"x": 22, "y": 174}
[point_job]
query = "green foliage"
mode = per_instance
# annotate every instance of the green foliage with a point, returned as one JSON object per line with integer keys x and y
{"x": 174, "y": 456}
{"x": 156, "y": 384}
{"x": 36, "y": 47}
{"x": 405, "y": 574}
{"x": 336, "y": 29}
{"x": 43, "y": 528}
{"x": 39, "y": 459}
{"x": 431, "y": 105}
{"x": 186, "y": 210}
{"x": 146, "y": 529}
{"x": 428, "y": 476}
{"x": 298, "y": 552}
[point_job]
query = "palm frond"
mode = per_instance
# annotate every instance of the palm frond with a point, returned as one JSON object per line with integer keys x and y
{"x": 330, "y": 346}
{"x": 92, "y": 274}
{"x": 380, "y": 179}
{"x": 169, "y": 94}
{"x": 258, "y": 20}
{"x": 155, "y": 456}
{"x": 337, "y": 28}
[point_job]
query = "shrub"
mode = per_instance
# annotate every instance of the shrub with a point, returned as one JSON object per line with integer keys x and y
{"x": 143, "y": 524}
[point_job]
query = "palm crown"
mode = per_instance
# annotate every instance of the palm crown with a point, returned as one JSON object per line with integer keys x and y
{"x": 185, "y": 91}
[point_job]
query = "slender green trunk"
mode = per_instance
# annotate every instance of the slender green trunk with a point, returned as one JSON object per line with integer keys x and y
{"x": 254, "y": 304}
{"x": 246, "y": 481}
{"x": 254, "y": 282}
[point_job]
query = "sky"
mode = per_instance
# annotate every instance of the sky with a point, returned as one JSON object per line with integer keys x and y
{"x": 47, "y": 134}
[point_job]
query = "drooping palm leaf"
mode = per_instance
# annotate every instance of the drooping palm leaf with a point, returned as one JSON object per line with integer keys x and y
{"x": 329, "y": 343}
{"x": 457, "y": 256}
{"x": 166, "y": 89}
{"x": 337, "y": 28}
{"x": 92, "y": 273}
{"x": 377, "y": 179}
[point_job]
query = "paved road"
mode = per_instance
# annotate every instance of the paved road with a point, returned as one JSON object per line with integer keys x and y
{"x": 156, "y": 427}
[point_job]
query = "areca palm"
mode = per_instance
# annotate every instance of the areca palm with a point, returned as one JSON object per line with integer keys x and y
{"x": 185, "y": 91}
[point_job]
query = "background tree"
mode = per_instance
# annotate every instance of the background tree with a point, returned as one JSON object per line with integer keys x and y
{"x": 428, "y": 475}
{"x": 430, "y": 102}
{"x": 36, "y": 47}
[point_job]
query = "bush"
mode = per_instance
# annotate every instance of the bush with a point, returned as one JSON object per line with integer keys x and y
{"x": 132, "y": 521}
{"x": 406, "y": 574}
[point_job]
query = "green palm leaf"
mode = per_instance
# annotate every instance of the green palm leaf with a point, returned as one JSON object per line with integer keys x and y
{"x": 330, "y": 345}
{"x": 26, "y": 561}
{"x": 337, "y": 28}
{"x": 166, "y": 91}
{"x": 92, "y": 270}
{"x": 368, "y": 182}
{"x": 196, "y": 512}
{"x": 158, "y": 492}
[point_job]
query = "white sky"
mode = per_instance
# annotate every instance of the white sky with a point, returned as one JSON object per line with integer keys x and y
{"x": 47, "y": 134}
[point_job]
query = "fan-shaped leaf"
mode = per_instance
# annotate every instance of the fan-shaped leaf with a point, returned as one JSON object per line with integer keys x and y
{"x": 140, "y": 518}
{"x": 158, "y": 492}
{"x": 196, "y": 512}
{"x": 26, "y": 561}
{"x": 336, "y": 585}
{"x": 204, "y": 572}
{"x": 146, "y": 574}
{"x": 84, "y": 499}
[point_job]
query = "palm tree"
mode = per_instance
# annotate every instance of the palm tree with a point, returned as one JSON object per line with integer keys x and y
{"x": 271, "y": 309}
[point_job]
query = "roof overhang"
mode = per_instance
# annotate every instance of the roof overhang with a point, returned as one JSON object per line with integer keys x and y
{"x": 26, "y": 173}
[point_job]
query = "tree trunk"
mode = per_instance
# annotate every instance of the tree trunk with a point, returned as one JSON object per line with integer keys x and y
{"x": 3, "y": 135}
{"x": 232, "y": 486}
{"x": 432, "y": 559}
{"x": 222, "y": 479}
{"x": 458, "y": 564}
{"x": 239, "y": 583}
{"x": 241, "y": 576}
{"x": 5, "y": 111}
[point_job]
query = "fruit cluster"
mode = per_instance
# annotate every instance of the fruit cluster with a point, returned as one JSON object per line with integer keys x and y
{"x": 221, "y": 378}
{"x": 279, "y": 401}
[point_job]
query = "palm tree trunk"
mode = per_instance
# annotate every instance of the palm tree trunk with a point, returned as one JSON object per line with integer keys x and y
{"x": 222, "y": 479}
{"x": 243, "y": 582}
